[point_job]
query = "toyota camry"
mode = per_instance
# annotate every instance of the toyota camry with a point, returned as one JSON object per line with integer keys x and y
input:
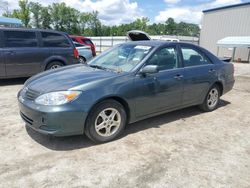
{"x": 130, "y": 82}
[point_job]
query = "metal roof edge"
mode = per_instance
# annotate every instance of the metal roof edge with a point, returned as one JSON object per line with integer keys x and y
{"x": 226, "y": 7}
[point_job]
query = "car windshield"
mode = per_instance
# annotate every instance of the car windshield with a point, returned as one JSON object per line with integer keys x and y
{"x": 121, "y": 58}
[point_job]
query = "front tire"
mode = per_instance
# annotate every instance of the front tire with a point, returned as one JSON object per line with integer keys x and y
{"x": 106, "y": 121}
{"x": 212, "y": 99}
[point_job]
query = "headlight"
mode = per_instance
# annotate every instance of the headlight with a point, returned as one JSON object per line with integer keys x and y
{"x": 57, "y": 98}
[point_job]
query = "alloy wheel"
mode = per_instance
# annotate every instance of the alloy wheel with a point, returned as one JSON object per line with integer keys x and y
{"x": 212, "y": 98}
{"x": 108, "y": 122}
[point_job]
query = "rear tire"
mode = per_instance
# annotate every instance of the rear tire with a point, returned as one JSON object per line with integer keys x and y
{"x": 82, "y": 60}
{"x": 212, "y": 99}
{"x": 106, "y": 121}
{"x": 54, "y": 65}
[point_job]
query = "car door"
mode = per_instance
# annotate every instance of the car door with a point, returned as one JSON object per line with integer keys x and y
{"x": 22, "y": 57}
{"x": 2, "y": 63}
{"x": 163, "y": 90}
{"x": 199, "y": 73}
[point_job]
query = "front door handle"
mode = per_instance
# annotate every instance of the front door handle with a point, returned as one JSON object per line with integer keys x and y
{"x": 178, "y": 76}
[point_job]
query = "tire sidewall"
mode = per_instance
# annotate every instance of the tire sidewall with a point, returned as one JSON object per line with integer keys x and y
{"x": 90, "y": 125}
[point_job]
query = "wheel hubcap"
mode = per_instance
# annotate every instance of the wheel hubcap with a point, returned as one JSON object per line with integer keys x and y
{"x": 107, "y": 122}
{"x": 55, "y": 66}
{"x": 212, "y": 98}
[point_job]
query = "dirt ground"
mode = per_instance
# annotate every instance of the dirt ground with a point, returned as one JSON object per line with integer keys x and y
{"x": 186, "y": 148}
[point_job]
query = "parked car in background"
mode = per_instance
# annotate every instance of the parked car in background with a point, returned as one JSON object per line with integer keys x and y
{"x": 25, "y": 52}
{"x": 85, "y": 41}
{"x": 128, "y": 83}
{"x": 85, "y": 53}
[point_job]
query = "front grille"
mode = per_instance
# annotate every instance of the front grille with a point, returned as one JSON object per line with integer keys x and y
{"x": 26, "y": 119}
{"x": 31, "y": 94}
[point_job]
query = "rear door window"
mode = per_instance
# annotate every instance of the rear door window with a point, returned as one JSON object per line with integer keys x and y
{"x": 20, "y": 39}
{"x": 166, "y": 58}
{"x": 193, "y": 57}
{"x": 54, "y": 40}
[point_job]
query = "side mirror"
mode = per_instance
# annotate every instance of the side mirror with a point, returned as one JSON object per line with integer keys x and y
{"x": 149, "y": 69}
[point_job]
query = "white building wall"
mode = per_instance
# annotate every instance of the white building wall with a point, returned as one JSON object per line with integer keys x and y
{"x": 223, "y": 23}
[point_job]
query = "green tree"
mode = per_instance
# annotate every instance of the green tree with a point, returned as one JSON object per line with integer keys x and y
{"x": 55, "y": 15}
{"x": 35, "y": 9}
{"x": 171, "y": 27}
{"x": 141, "y": 24}
{"x": 95, "y": 24}
{"x": 61, "y": 17}
{"x": 24, "y": 12}
{"x": 45, "y": 18}
{"x": 84, "y": 20}
{"x": 14, "y": 14}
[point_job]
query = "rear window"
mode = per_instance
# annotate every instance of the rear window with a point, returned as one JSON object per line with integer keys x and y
{"x": 86, "y": 41}
{"x": 20, "y": 39}
{"x": 54, "y": 40}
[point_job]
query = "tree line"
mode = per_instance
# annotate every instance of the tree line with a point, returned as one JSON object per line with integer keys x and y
{"x": 61, "y": 17}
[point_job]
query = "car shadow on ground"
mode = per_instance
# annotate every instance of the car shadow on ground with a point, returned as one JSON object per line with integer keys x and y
{"x": 158, "y": 121}
{"x": 12, "y": 81}
{"x": 78, "y": 142}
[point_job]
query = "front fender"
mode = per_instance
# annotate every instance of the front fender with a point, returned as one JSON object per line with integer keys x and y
{"x": 121, "y": 89}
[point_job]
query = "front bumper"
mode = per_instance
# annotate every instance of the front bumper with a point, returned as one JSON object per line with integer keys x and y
{"x": 62, "y": 120}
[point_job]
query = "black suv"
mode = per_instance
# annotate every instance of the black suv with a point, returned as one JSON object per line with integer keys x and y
{"x": 25, "y": 52}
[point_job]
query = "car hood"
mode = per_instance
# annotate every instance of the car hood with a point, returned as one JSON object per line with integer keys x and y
{"x": 137, "y": 35}
{"x": 66, "y": 78}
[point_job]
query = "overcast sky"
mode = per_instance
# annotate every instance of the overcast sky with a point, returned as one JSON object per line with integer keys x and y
{"x": 123, "y": 11}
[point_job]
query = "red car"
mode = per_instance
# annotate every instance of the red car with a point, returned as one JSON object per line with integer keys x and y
{"x": 85, "y": 41}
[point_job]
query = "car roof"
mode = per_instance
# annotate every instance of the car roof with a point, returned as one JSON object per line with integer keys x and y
{"x": 30, "y": 29}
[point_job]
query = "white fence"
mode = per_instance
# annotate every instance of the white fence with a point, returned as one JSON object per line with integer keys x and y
{"x": 103, "y": 43}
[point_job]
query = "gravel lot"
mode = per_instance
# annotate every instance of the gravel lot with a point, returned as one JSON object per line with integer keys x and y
{"x": 186, "y": 148}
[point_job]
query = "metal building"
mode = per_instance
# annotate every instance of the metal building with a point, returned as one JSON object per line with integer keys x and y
{"x": 228, "y": 21}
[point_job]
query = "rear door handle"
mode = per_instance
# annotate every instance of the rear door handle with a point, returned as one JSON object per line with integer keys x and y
{"x": 178, "y": 76}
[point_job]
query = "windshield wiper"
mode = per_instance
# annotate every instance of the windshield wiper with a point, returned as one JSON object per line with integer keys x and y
{"x": 102, "y": 68}
{"x": 98, "y": 67}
